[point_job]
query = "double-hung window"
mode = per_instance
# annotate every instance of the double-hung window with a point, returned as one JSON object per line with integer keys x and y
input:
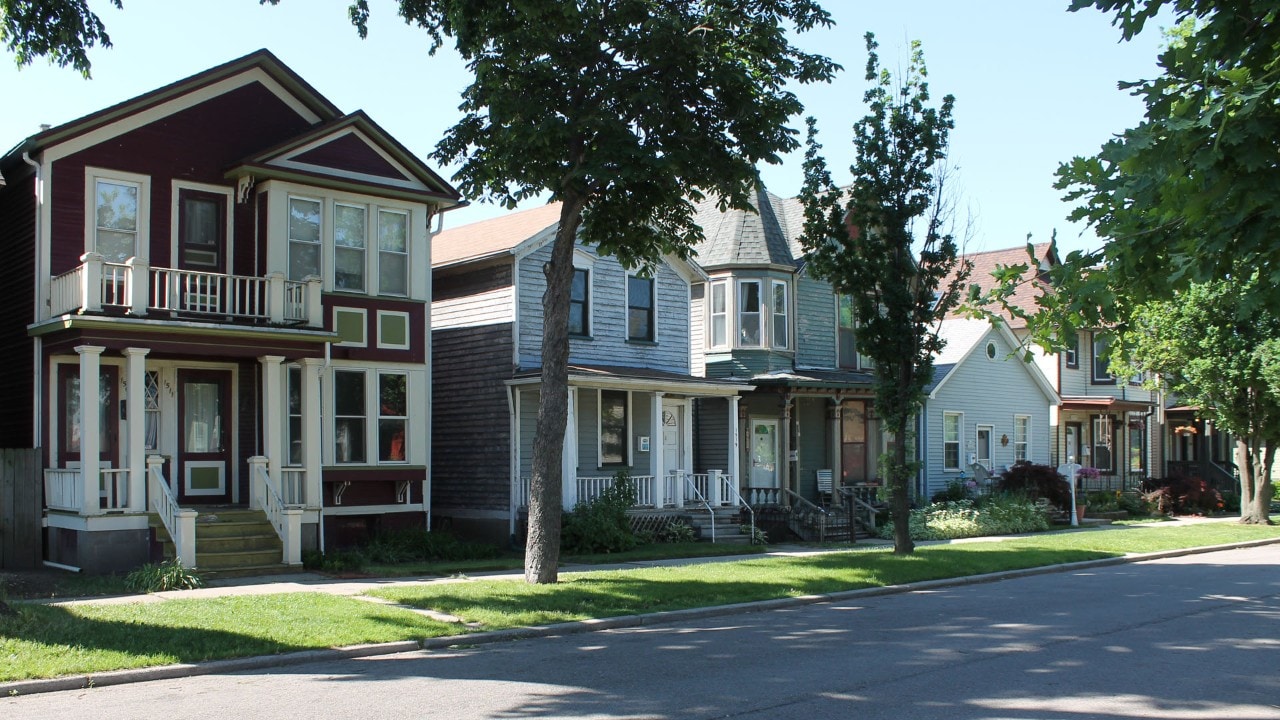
{"x": 1101, "y": 371}
{"x": 952, "y": 439}
{"x": 393, "y": 416}
{"x": 1103, "y": 436}
{"x": 1072, "y": 351}
{"x": 350, "y": 415}
{"x": 304, "y": 238}
{"x": 780, "y": 306}
{"x": 1021, "y": 438}
{"x": 749, "y": 313}
{"x": 293, "y": 431}
{"x": 719, "y": 314}
{"x": 580, "y": 303}
{"x": 640, "y": 303}
{"x": 350, "y": 229}
{"x": 846, "y": 332}
{"x": 393, "y": 252}
{"x": 116, "y": 209}
{"x": 613, "y": 427}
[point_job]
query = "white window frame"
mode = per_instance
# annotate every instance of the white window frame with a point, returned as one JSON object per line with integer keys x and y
{"x": 408, "y": 241}
{"x": 857, "y": 357}
{"x": 626, "y": 433}
{"x": 175, "y": 210}
{"x": 986, "y": 462}
{"x": 364, "y": 314}
{"x": 653, "y": 308}
{"x": 1023, "y": 442}
{"x": 723, "y": 315}
{"x": 376, "y": 431}
{"x": 1108, "y": 378}
{"x": 382, "y": 314}
{"x": 1071, "y": 355}
{"x": 334, "y": 404}
{"x": 320, "y": 236}
{"x": 761, "y": 329}
{"x": 958, "y": 441}
{"x": 336, "y": 205}
{"x": 142, "y": 239}
{"x": 774, "y": 322}
{"x": 1105, "y": 424}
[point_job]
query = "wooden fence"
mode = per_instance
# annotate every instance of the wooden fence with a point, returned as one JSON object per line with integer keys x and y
{"x": 21, "y": 506}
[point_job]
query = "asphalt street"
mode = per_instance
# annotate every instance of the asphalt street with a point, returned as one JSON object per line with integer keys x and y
{"x": 1190, "y": 637}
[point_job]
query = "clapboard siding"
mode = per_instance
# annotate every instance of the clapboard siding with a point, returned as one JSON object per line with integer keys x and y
{"x": 17, "y": 246}
{"x": 608, "y": 344}
{"x": 746, "y": 363}
{"x": 449, "y": 285}
{"x": 485, "y": 308}
{"x": 470, "y": 432}
{"x": 698, "y": 330}
{"x": 711, "y": 435}
{"x": 814, "y": 432}
{"x": 815, "y": 323}
{"x": 588, "y": 429}
{"x": 988, "y": 392}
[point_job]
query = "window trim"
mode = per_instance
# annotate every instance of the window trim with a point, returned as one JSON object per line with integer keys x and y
{"x": 1108, "y": 425}
{"x": 587, "y": 315}
{"x": 142, "y": 239}
{"x": 364, "y": 373}
{"x": 653, "y": 308}
{"x": 175, "y": 223}
{"x": 774, "y": 285}
{"x": 856, "y": 363}
{"x": 723, "y": 286}
{"x": 626, "y": 430}
{"x": 1025, "y": 441}
{"x": 991, "y": 445}
{"x": 334, "y": 206}
{"x": 408, "y": 335}
{"x": 959, "y": 441}
{"x": 376, "y": 432}
{"x": 1071, "y": 354}
{"x": 1094, "y": 378}
{"x": 740, "y": 309}
{"x": 290, "y": 241}
{"x": 364, "y": 315}
{"x": 378, "y": 210}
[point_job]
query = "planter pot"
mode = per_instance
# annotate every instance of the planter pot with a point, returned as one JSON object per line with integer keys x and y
{"x": 1080, "y": 513}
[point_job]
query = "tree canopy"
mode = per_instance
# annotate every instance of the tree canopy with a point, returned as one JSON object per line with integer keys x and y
{"x": 61, "y": 30}
{"x": 884, "y": 242}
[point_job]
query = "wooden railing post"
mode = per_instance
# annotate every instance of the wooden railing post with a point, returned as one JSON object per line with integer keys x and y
{"x": 713, "y": 488}
{"x": 315, "y": 305}
{"x": 257, "y": 466}
{"x": 139, "y": 284}
{"x": 275, "y": 297}
{"x": 91, "y": 282}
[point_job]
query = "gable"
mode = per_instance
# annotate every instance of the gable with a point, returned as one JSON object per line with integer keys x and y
{"x": 348, "y": 152}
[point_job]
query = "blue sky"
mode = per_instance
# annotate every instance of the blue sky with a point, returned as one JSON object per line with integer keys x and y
{"x": 1034, "y": 85}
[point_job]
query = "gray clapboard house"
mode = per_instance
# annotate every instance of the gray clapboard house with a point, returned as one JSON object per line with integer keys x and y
{"x": 986, "y": 407}
{"x": 631, "y": 383}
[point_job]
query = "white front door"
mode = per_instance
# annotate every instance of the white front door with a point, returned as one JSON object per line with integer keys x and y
{"x": 672, "y": 437}
{"x": 764, "y": 453}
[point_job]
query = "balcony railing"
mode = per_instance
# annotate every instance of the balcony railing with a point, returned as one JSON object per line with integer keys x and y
{"x": 135, "y": 287}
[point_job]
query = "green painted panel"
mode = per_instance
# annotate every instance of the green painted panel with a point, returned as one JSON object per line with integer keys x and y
{"x": 205, "y": 478}
{"x": 349, "y": 325}
{"x": 394, "y": 330}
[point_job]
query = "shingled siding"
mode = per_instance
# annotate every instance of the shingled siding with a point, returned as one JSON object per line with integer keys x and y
{"x": 746, "y": 363}
{"x": 815, "y": 323}
{"x": 608, "y": 344}
{"x": 470, "y": 430}
{"x": 711, "y": 434}
{"x": 17, "y": 243}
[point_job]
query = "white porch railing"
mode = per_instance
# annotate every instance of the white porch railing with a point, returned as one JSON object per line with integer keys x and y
{"x": 113, "y": 487}
{"x": 135, "y": 286}
{"x": 589, "y": 488}
{"x": 293, "y": 485}
{"x": 63, "y": 489}
{"x": 180, "y": 523}
{"x": 691, "y": 487}
{"x": 285, "y": 518}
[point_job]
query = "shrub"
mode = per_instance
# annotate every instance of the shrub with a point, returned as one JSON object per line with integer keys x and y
{"x": 998, "y": 515}
{"x": 758, "y": 536}
{"x": 955, "y": 490}
{"x": 601, "y": 525}
{"x": 168, "y": 575}
{"x": 1035, "y": 482}
{"x": 1182, "y": 495}
{"x": 678, "y": 532}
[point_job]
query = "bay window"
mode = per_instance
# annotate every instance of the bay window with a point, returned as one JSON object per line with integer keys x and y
{"x": 749, "y": 313}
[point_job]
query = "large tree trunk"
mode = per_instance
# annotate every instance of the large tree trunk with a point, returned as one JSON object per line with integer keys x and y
{"x": 899, "y": 474}
{"x": 542, "y": 549}
{"x": 1255, "y": 482}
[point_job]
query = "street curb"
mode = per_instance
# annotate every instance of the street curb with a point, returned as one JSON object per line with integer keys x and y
{"x": 170, "y": 672}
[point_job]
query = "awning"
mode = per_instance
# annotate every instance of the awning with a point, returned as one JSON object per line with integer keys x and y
{"x": 1106, "y": 404}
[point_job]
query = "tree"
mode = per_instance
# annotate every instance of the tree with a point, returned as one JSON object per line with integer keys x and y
{"x": 61, "y": 30}
{"x": 626, "y": 111}
{"x": 1207, "y": 346}
{"x": 862, "y": 240}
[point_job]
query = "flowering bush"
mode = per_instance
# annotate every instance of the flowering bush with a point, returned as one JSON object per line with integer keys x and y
{"x": 1035, "y": 482}
{"x": 1088, "y": 472}
{"x": 998, "y": 515}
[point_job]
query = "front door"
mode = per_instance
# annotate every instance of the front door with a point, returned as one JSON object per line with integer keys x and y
{"x": 672, "y": 458}
{"x": 204, "y": 436}
{"x": 764, "y": 453}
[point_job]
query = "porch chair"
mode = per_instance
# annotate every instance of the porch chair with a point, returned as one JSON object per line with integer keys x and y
{"x": 824, "y": 486}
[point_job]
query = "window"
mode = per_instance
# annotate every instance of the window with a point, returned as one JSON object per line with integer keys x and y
{"x": 749, "y": 313}
{"x": 984, "y": 446}
{"x": 781, "y": 332}
{"x": 350, "y": 324}
{"x": 639, "y": 308}
{"x": 393, "y": 330}
{"x": 846, "y": 331}
{"x": 1073, "y": 351}
{"x": 719, "y": 314}
{"x": 293, "y": 432}
{"x": 1102, "y": 443}
{"x": 1101, "y": 372}
{"x": 393, "y": 412}
{"x": 304, "y": 238}
{"x": 151, "y": 411}
{"x": 201, "y": 230}
{"x": 349, "y": 416}
{"x": 116, "y": 217}
{"x": 853, "y": 442}
{"x": 393, "y": 252}
{"x": 613, "y": 427}
{"x": 580, "y": 303}
{"x": 1137, "y": 446}
{"x": 952, "y": 438}
{"x": 349, "y": 235}
{"x": 991, "y": 351}
{"x": 1021, "y": 438}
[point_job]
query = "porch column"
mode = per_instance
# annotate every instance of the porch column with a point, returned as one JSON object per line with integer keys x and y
{"x": 139, "y": 285}
{"x": 833, "y": 454}
{"x": 686, "y": 454}
{"x": 273, "y": 415}
{"x": 784, "y": 462}
{"x": 90, "y": 426}
{"x": 735, "y": 452}
{"x": 312, "y": 445}
{"x": 136, "y": 408}
{"x": 655, "y": 454}
{"x": 569, "y": 463}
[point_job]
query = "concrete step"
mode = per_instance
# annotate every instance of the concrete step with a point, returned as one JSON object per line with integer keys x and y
{"x": 236, "y": 559}
{"x": 232, "y": 543}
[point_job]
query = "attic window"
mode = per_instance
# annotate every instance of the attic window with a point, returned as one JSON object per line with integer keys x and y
{"x": 991, "y": 351}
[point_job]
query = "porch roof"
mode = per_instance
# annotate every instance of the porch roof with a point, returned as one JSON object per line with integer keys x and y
{"x": 1105, "y": 403}
{"x": 817, "y": 379}
{"x": 637, "y": 378}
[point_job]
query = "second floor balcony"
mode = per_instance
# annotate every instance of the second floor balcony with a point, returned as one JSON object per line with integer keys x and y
{"x": 136, "y": 288}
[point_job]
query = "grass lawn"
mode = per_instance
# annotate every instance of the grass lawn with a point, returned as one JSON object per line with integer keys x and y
{"x": 46, "y": 641}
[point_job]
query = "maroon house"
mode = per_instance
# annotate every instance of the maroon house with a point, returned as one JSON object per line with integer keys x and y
{"x": 241, "y": 275}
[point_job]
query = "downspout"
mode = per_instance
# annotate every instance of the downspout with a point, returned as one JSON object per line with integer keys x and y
{"x": 37, "y": 434}
{"x": 427, "y": 481}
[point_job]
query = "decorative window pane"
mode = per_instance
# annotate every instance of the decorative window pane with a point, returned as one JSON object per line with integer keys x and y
{"x": 392, "y": 416}
{"x": 1021, "y": 438}
{"x": 349, "y": 235}
{"x": 613, "y": 427}
{"x": 393, "y": 253}
{"x": 304, "y": 238}
{"x": 781, "y": 332}
{"x": 847, "y": 332}
{"x": 749, "y": 313}
{"x": 579, "y": 303}
{"x": 951, "y": 440}
{"x": 116, "y": 210}
{"x": 294, "y": 430}
{"x": 639, "y": 308}
{"x": 349, "y": 416}
{"x": 151, "y": 408}
{"x": 719, "y": 315}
